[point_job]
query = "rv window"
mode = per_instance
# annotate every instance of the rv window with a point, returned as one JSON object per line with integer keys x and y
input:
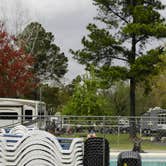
{"x": 28, "y": 114}
{"x": 41, "y": 114}
{"x": 162, "y": 119}
{"x": 9, "y": 115}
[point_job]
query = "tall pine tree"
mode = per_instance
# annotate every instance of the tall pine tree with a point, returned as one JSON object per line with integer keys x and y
{"x": 129, "y": 26}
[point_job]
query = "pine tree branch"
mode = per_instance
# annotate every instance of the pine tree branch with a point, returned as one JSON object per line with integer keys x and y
{"x": 123, "y": 59}
{"x": 141, "y": 38}
{"x": 117, "y": 14}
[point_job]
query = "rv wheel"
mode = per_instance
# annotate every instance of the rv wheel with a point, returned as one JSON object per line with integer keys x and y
{"x": 147, "y": 132}
{"x": 124, "y": 131}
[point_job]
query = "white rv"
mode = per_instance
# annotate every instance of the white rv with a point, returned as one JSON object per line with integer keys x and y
{"x": 154, "y": 120}
{"x": 20, "y": 111}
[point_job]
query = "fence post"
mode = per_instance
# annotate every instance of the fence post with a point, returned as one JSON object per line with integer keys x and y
{"x": 140, "y": 125}
{"x": 104, "y": 141}
{"x": 118, "y": 135}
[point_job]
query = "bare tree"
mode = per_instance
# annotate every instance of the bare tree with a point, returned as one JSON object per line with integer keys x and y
{"x": 14, "y": 16}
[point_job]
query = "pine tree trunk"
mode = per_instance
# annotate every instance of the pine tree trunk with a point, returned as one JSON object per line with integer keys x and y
{"x": 132, "y": 109}
{"x": 132, "y": 90}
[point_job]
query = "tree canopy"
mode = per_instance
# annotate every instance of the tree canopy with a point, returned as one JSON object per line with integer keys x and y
{"x": 16, "y": 76}
{"x": 86, "y": 98}
{"x": 51, "y": 63}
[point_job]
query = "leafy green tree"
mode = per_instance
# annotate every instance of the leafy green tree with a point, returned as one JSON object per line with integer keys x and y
{"x": 55, "y": 97}
{"x": 50, "y": 64}
{"x": 86, "y": 98}
{"x": 144, "y": 101}
{"x": 118, "y": 97}
{"x": 50, "y": 95}
{"x": 129, "y": 26}
{"x": 154, "y": 94}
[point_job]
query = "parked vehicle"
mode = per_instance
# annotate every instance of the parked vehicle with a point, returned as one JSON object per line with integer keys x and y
{"x": 123, "y": 125}
{"x": 153, "y": 121}
{"x": 20, "y": 111}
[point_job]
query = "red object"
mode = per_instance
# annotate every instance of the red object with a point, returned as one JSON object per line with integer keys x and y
{"x": 16, "y": 76}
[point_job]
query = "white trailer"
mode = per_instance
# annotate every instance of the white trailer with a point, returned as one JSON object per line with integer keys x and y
{"x": 20, "y": 111}
{"x": 154, "y": 120}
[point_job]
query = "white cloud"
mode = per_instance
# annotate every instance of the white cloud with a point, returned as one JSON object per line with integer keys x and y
{"x": 66, "y": 19}
{"x": 54, "y": 8}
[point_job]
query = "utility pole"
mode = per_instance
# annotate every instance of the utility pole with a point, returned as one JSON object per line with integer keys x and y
{"x": 40, "y": 112}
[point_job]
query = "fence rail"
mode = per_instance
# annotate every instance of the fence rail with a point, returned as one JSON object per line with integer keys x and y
{"x": 150, "y": 131}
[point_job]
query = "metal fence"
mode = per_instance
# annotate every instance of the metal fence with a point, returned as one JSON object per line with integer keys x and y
{"x": 150, "y": 131}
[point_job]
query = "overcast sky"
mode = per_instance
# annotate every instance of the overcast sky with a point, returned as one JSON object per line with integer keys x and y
{"x": 66, "y": 19}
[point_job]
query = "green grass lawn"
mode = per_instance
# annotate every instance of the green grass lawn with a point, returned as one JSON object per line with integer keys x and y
{"x": 123, "y": 142}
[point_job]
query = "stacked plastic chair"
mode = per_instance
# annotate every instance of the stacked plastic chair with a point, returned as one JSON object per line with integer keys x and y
{"x": 27, "y": 147}
{"x": 96, "y": 152}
